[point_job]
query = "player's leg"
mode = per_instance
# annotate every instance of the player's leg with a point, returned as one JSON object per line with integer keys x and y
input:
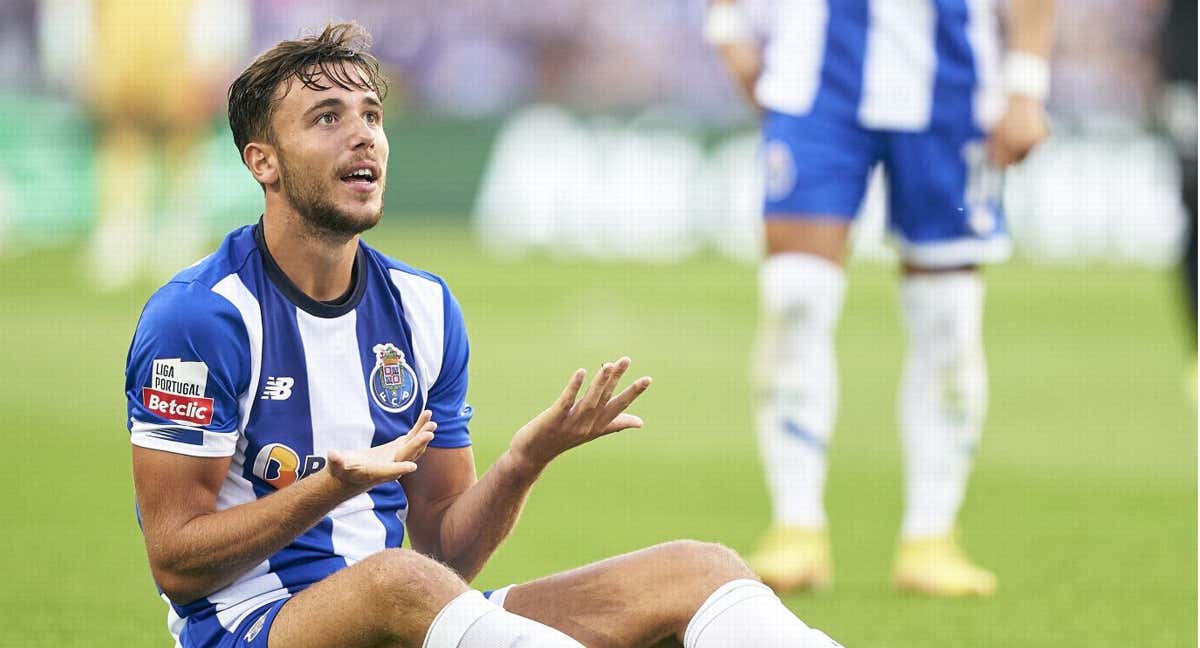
{"x": 816, "y": 175}
{"x": 696, "y": 594}
{"x": 401, "y": 598}
{"x": 945, "y": 205}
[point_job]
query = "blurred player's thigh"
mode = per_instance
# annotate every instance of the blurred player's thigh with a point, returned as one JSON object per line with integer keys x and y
{"x": 944, "y": 199}
{"x": 816, "y": 171}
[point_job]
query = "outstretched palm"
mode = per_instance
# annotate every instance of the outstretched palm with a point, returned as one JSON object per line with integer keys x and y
{"x": 570, "y": 422}
{"x": 364, "y": 468}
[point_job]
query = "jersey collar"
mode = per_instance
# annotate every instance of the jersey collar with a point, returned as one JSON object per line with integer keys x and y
{"x": 337, "y": 308}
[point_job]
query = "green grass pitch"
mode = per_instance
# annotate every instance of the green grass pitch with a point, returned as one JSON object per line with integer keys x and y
{"x": 1083, "y": 498}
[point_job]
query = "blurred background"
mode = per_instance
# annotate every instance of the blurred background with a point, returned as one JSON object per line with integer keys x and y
{"x": 584, "y": 175}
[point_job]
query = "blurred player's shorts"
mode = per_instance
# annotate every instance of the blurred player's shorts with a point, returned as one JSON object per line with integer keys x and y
{"x": 944, "y": 199}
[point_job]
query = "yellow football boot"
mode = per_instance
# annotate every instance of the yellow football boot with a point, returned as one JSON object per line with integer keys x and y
{"x": 793, "y": 558}
{"x": 936, "y": 566}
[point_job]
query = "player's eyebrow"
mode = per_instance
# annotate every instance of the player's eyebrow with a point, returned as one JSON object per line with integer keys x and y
{"x": 334, "y": 102}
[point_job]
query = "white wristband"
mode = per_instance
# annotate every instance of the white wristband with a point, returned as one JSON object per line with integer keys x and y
{"x": 1026, "y": 74}
{"x": 725, "y": 24}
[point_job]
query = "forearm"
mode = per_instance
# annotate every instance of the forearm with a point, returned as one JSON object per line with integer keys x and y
{"x": 1031, "y": 27}
{"x": 744, "y": 62}
{"x": 482, "y": 517}
{"x": 212, "y": 550}
{"x": 727, "y": 29}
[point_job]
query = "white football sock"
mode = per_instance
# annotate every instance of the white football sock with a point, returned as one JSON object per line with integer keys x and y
{"x": 470, "y": 621}
{"x": 747, "y": 614}
{"x": 796, "y": 376}
{"x": 943, "y": 396}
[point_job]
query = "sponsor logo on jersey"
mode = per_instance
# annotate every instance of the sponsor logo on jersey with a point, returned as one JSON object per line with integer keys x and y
{"x": 280, "y": 466}
{"x": 176, "y": 391}
{"x": 278, "y": 388}
{"x": 393, "y": 383}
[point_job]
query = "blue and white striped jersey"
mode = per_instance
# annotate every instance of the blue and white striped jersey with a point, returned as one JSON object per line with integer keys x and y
{"x": 230, "y": 359}
{"x": 897, "y": 65}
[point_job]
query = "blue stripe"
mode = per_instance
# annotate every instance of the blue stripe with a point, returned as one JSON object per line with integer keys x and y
{"x": 955, "y": 79}
{"x": 288, "y": 422}
{"x": 802, "y": 433}
{"x": 842, "y": 62}
{"x": 190, "y": 436}
{"x": 381, "y": 320}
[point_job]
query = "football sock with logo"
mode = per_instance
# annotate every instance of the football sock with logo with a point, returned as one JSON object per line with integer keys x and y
{"x": 796, "y": 376}
{"x": 471, "y": 621}
{"x": 943, "y": 396}
{"x": 745, "y": 612}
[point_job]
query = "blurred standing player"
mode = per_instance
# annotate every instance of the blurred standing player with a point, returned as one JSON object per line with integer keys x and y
{"x": 917, "y": 86}
{"x": 297, "y": 402}
{"x": 153, "y": 81}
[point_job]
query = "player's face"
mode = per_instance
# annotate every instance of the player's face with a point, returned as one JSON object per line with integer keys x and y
{"x": 332, "y": 156}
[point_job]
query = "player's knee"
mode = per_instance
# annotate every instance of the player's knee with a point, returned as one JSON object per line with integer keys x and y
{"x": 404, "y": 579}
{"x": 707, "y": 562}
{"x": 803, "y": 289}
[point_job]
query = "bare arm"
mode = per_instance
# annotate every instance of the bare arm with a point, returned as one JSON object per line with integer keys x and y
{"x": 1024, "y": 124}
{"x": 461, "y": 521}
{"x": 1031, "y": 26}
{"x": 195, "y": 550}
{"x": 738, "y": 49}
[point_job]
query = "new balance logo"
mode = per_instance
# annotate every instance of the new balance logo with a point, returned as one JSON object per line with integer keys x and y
{"x": 278, "y": 388}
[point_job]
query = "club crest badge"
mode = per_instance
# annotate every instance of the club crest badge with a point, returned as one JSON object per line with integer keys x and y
{"x": 393, "y": 382}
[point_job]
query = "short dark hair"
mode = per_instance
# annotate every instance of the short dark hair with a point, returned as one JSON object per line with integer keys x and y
{"x": 316, "y": 61}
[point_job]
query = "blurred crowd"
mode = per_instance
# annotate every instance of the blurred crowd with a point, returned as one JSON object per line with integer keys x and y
{"x": 478, "y": 57}
{"x": 124, "y": 99}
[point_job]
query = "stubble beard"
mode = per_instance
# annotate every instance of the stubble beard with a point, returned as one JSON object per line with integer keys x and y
{"x": 306, "y": 195}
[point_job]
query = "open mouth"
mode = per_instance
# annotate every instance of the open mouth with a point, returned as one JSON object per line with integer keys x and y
{"x": 362, "y": 178}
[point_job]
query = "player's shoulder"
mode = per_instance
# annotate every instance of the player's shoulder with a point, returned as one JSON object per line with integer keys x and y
{"x": 190, "y": 299}
{"x": 404, "y": 273}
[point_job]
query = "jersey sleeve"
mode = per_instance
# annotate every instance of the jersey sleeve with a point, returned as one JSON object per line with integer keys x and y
{"x": 188, "y": 363}
{"x": 448, "y": 395}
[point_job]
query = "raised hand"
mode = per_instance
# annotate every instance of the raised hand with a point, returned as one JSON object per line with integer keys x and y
{"x": 570, "y": 422}
{"x": 1022, "y": 127}
{"x": 364, "y": 468}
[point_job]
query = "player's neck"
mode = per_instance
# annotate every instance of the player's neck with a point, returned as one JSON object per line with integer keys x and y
{"x": 320, "y": 266}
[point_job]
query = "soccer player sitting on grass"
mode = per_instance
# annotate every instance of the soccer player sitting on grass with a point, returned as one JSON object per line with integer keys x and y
{"x": 297, "y": 400}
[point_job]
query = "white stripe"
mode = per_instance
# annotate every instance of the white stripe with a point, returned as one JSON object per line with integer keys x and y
{"x": 900, "y": 65}
{"x": 949, "y": 254}
{"x": 251, "y": 594}
{"x": 792, "y": 59}
{"x": 985, "y": 47}
{"x": 214, "y": 444}
{"x": 341, "y": 420}
{"x": 424, "y": 310}
{"x": 175, "y": 623}
{"x": 259, "y": 585}
{"x": 232, "y": 288}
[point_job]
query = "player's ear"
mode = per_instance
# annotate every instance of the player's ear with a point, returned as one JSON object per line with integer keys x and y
{"x": 260, "y": 158}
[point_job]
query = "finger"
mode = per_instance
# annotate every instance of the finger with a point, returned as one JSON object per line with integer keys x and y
{"x": 402, "y": 468}
{"x": 615, "y": 379}
{"x": 592, "y": 398}
{"x": 422, "y": 421}
{"x": 567, "y": 398}
{"x": 385, "y": 471}
{"x": 415, "y": 447}
{"x": 623, "y": 400}
{"x": 623, "y": 422}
